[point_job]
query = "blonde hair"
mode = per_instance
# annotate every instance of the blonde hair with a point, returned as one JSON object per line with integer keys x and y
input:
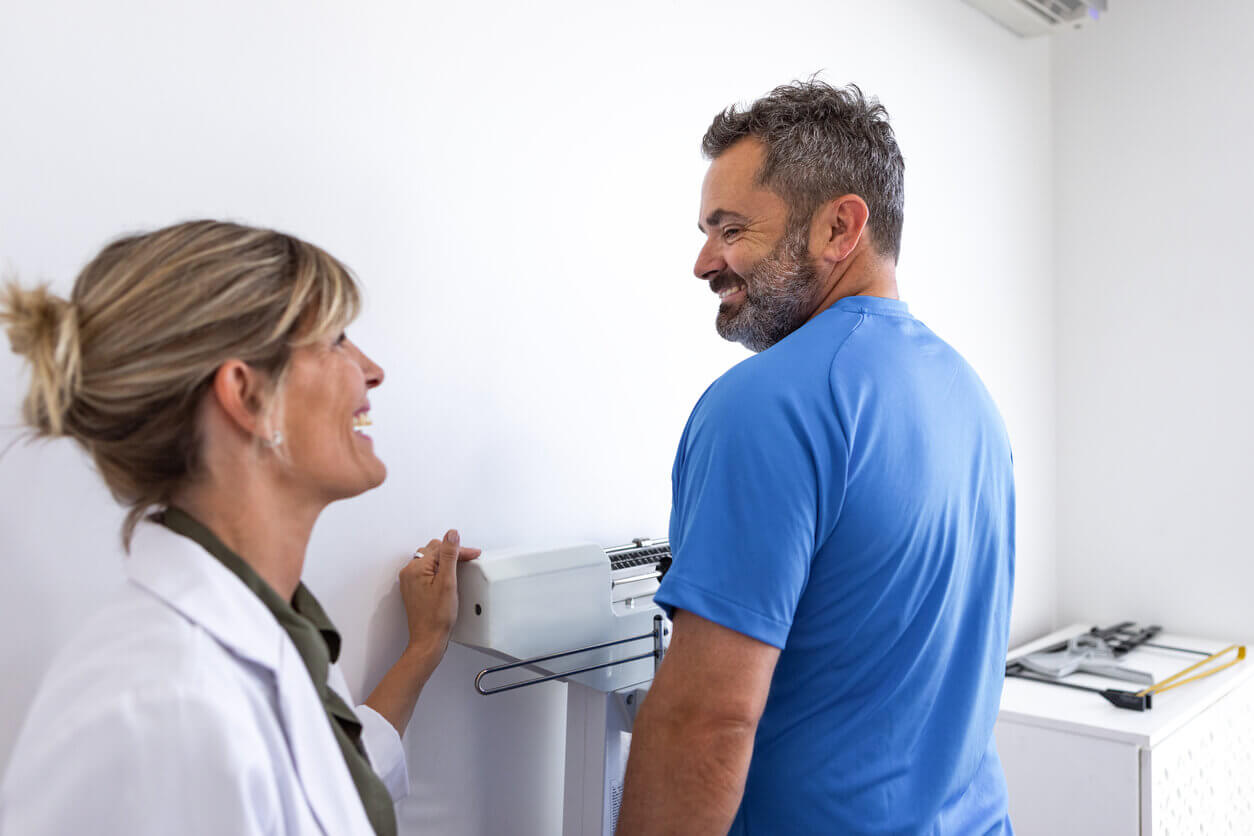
{"x": 123, "y": 365}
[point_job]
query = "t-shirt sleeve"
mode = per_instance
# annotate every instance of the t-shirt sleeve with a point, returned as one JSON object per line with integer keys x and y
{"x": 745, "y": 516}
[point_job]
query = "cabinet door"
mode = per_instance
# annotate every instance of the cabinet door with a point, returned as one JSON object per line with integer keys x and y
{"x": 1066, "y": 783}
{"x": 1200, "y": 779}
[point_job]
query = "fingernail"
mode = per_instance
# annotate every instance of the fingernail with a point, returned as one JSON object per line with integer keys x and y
{"x": 451, "y": 536}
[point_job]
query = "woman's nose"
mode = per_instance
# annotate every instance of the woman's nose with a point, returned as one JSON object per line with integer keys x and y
{"x": 372, "y": 370}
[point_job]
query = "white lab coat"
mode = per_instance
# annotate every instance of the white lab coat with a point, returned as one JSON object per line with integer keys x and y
{"x": 183, "y": 707}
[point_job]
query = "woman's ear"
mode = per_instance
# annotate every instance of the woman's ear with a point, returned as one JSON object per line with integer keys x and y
{"x": 240, "y": 391}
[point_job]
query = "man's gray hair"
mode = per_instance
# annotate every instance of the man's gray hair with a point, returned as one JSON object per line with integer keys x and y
{"x": 822, "y": 142}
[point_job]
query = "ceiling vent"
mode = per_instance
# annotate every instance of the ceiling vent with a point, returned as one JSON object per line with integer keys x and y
{"x": 1028, "y": 18}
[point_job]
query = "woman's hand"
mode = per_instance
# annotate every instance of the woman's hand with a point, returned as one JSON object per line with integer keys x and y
{"x": 429, "y": 590}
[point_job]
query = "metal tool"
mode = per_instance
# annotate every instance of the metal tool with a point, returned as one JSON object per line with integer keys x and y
{"x": 1086, "y": 653}
{"x": 1115, "y": 696}
{"x": 1095, "y": 652}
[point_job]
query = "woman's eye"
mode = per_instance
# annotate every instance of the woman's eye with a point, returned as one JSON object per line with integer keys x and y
{"x": 341, "y": 338}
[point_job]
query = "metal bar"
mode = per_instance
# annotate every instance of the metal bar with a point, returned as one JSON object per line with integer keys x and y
{"x": 1048, "y": 681}
{"x": 634, "y": 578}
{"x": 1114, "y": 696}
{"x": 521, "y": 663}
{"x": 537, "y": 659}
{"x": 639, "y": 546}
{"x": 1178, "y": 649}
{"x": 658, "y": 649}
{"x": 552, "y": 676}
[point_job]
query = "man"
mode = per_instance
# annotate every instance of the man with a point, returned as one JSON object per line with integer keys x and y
{"x": 843, "y": 516}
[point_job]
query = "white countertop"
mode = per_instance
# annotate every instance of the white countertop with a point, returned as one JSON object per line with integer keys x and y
{"x": 1081, "y": 712}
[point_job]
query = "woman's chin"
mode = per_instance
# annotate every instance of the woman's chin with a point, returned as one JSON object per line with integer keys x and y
{"x": 372, "y": 477}
{"x": 376, "y": 475}
{"x": 382, "y": 476}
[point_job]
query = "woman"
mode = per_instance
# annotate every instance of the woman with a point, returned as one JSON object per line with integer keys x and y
{"x": 205, "y": 369}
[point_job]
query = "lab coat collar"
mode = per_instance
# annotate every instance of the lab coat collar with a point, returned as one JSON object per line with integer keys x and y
{"x": 190, "y": 580}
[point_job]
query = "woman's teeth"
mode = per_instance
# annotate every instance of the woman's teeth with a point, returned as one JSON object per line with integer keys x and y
{"x": 360, "y": 420}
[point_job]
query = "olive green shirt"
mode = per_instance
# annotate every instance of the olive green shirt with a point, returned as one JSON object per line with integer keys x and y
{"x": 318, "y": 643}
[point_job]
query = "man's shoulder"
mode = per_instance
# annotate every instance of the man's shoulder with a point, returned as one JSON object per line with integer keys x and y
{"x": 755, "y": 390}
{"x": 794, "y": 372}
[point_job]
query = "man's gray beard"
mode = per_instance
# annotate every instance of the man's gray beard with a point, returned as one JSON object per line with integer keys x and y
{"x": 779, "y": 294}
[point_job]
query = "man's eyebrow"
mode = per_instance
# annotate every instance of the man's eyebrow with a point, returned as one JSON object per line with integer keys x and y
{"x": 718, "y": 216}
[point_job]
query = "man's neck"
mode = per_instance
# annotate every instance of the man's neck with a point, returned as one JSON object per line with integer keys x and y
{"x": 867, "y": 273}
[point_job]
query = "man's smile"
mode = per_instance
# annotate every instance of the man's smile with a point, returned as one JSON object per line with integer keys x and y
{"x": 728, "y": 286}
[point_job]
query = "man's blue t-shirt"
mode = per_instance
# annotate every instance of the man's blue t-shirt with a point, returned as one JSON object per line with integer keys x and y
{"x": 847, "y": 496}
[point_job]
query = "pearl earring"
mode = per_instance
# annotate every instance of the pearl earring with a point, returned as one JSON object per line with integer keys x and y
{"x": 275, "y": 440}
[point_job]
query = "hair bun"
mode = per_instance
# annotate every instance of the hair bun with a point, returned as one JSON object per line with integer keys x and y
{"x": 43, "y": 328}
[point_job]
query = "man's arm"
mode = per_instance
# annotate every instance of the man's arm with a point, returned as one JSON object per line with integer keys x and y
{"x": 694, "y": 734}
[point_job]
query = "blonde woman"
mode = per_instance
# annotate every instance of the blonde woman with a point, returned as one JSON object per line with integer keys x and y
{"x": 205, "y": 369}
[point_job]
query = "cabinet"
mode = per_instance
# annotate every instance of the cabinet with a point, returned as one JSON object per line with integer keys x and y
{"x": 1077, "y": 765}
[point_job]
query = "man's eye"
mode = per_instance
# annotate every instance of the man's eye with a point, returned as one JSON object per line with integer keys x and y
{"x": 730, "y": 232}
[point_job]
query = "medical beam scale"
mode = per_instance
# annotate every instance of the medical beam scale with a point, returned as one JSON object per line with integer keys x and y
{"x": 578, "y": 614}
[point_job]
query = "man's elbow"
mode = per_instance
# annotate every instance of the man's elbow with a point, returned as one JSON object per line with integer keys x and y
{"x": 707, "y": 741}
{"x": 702, "y": 720}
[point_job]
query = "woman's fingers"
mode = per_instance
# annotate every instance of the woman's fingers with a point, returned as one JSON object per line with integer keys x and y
{"x": 449, "y": 554}
{"x": 429, "y": 587}
{"x": 463, "y": 553}
{"x": 427, "y": 550}
{"x": 429, "y": 558}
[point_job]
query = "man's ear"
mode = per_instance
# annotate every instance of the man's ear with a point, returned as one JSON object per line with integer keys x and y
{"x": 240, "y": 391}
{"x": 837, "y": 227}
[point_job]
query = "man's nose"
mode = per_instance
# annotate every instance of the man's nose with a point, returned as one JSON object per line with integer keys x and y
{"x": 709, "y": 262}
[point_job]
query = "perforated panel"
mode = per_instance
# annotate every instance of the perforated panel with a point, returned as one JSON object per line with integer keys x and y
{"x": 1202, "y": 776}
{"x": 616, "y": 802}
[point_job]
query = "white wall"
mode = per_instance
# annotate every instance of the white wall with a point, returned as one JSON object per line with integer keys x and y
{"x": 516, "y": 185}
{"x": 1154, "y": 125}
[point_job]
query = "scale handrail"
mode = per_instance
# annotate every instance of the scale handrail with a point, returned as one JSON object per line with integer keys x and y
{"x": 656, "y": 654}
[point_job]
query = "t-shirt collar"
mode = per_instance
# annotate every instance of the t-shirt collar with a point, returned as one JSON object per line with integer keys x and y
{"x": 872, "y": 305}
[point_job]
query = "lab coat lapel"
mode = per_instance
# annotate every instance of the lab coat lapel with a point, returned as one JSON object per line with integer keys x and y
{"x": 192, "y": 581}
{"x": 318, "y": 758}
